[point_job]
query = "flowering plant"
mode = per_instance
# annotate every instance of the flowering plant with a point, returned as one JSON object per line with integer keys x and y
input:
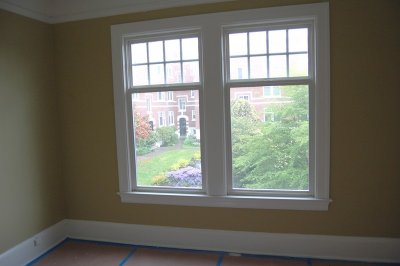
{"x": 185, "y": 177}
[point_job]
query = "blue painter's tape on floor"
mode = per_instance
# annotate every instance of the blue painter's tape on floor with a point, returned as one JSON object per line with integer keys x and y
{"x": 33, "y": 262}
{"x": 127, "y": 257}
{"x": 219, "y": 263}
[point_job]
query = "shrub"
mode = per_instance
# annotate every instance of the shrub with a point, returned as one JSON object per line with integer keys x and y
{"x": 180, "y": 164}
{"x": 197, "y": 156}
{"x": 191, "y": 140}
{"x": 144, "y": 146}
{"x": 185, "y": 177}
{"x": 167, "y": 136}
{"x": 159, "y": 180}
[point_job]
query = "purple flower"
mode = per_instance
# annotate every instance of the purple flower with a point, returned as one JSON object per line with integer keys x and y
{"x": 185, "y": 177}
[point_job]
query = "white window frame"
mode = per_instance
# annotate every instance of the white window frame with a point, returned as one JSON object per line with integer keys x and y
{"x": 149, "y": 106}
{"x": 245, "y": 97}
{"x": 171, "y": 120}
{"x": 161, "y": 119}
{"x": 181, "y": 100}
{"x": 270, "y": 114}
{"x": 193, "y": 115}
{"x": 215, "y": 139}
{"x": 170, "y": 96}
{"x": 272, "y": 93}
{"x": 161, "y": 96}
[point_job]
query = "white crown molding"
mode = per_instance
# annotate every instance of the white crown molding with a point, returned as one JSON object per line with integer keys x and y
{"x": 25, "y": 8}
{"x": 58, "y": 11}
{"x": 366, "y": 249}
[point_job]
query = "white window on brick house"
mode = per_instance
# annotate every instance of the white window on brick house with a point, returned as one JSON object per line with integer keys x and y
{"x": 182, "y": 104}
{"x": 170, "y": 96}
{"x": 272, "y": 91}
{"x": 282, "y": 55}
{"x": 161, "y": 96}
{"x": 170, "y": 118}
{"x": 193, "y": 115}
{"x": 269, "y": 116}
{"x": 243, "y": 97}
{"x": 161, "y": 119}
{"x": 148, "y": 104}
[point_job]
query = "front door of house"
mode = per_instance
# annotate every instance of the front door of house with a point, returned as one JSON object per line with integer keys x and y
{"x": 182, "y": 127}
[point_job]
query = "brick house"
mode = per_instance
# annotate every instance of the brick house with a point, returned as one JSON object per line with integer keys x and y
{"x": 180, "y": 109}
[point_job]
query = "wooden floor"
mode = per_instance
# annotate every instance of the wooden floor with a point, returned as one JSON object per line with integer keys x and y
{"x": 88, "y": 253}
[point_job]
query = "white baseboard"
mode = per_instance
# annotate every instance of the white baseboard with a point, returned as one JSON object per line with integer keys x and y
{"x": 367, "y": 249}
{"x": 27, "y": 250}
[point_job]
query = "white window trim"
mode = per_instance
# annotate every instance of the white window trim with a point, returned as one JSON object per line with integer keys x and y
{"x": 171, "y": 120}
{"x": 193, "y": 115}
{"x": 243, "y": 96}
{"x": 214, "y": 154}
{"x": 161, "y": 118}
{"x": 161, "y": 96}
{"x": 179, "y": 104}
{"x": 272, "y": 94}
{"x": 149, "y": 105}
{"x": 170, "y": 96}
{"x": 272, "y": 114}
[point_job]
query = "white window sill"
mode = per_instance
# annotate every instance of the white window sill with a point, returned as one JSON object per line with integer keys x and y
{"x": 226, "y": 201}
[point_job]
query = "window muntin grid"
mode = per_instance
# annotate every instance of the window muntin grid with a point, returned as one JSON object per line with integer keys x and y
{"x": 172, "y": 60}
{"x": 268, "y": 53}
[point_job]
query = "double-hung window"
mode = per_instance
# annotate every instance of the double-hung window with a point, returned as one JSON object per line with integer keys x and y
{"x": 224, "y": 150}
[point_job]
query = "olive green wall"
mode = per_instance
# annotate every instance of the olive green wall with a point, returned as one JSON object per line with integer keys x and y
{"x": 30, "y": 181}
{"x": 365, "y": 174}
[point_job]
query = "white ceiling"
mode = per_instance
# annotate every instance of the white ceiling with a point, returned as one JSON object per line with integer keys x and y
{"x": 56, "y": 11}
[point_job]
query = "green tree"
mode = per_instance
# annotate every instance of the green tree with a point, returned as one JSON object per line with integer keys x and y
{"x": 245, "y": 126}
{"x": 273, "y": 155}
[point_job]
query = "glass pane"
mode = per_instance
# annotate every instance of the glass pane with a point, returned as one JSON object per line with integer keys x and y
{"x": 238, "y": 68}
{"x": 238, "y": 44}
{"x": 139, "y": 75}
{"x": 277, "y": 41}
{"x": 277, "y": 66}
{"x": 270, "y": 139}
{"x": 156, "y": 53}
{"x": 191, "y": 71}
{"x": 298, "y": 40}
{"x": 190, "y": 49}
{"x": 157, "y": 74}
{"x": 173, "y": 73}
{"x": 258, "y": 67}
{"x": 139, "y": 53}
{"x": 298, "y": 65}
{"x": 167, "y": 143}
{"x": 172, "y": 50}
{"x": 258, "y": 42}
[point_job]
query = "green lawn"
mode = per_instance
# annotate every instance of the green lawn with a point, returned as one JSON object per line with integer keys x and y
{"x": 161, "y": 163}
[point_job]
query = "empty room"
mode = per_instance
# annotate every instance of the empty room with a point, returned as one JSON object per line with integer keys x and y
{"x": 201, "y": 132}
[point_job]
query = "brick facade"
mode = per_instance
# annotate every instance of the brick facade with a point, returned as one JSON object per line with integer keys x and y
{"x": 180, "y": 109}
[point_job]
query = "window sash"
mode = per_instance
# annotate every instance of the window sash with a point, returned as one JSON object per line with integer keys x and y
{"x": 262, "y": 82}
{"x": 161, "y": 89}
{"x": 288, "y": 25}
{"x": 272, "y": 192}
{"x": 133, "y": 183}
{"x": 154, "y": 37}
